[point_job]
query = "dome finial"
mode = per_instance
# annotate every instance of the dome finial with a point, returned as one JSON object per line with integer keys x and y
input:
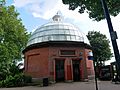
{"x": 57, "y": 17}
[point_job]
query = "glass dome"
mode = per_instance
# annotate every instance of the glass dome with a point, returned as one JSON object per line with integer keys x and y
{"x": 57, "y": 31}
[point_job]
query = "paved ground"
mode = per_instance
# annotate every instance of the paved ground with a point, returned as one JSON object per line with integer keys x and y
{"x": 103, "y": 85}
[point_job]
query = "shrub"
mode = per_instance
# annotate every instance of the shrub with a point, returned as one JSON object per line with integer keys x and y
{"x": 27, "y": 79}
{"x": 16, "y": 80}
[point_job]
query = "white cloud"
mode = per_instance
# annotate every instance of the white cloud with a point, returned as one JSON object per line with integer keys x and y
{"x": 23, "y": 3}
{"x": 41, "y": 8}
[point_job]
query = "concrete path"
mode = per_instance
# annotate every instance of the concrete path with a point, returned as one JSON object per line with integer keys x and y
{"x": 102, "y": 85}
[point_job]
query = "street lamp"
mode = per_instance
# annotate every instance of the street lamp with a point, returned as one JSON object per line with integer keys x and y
{"x": 113, "y": 36}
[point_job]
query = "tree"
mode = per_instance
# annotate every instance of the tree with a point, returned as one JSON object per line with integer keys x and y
{"x": 100, "y": 46}
{"x": 94, "y": 7}
{"x": 13, "y": 38}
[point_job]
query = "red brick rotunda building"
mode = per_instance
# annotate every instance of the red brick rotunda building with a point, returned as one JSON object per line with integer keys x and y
{"x": 58, "y": 51}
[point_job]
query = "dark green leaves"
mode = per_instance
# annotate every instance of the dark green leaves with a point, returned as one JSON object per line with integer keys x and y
{"x": 94, "y": 7}
{"x": 100, "y": 46}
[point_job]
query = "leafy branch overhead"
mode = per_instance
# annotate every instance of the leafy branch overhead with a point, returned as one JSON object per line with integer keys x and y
{"x": 94, "y": 7}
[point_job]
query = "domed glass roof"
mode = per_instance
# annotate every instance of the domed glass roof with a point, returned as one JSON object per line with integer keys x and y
{"x": 57, "y": 31}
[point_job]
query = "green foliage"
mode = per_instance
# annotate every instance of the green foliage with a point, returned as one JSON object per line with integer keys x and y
{"x": 13, "y": 39}
{"x": 27, "y": 79}
{"x": 11, "y": 81}
{"x": 15, "y": 81}
{"x": 100, "y": 46}
{"x": 94, "y": 7}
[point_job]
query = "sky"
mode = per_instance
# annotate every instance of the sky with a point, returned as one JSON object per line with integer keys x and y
{"x": 35, "y": 13}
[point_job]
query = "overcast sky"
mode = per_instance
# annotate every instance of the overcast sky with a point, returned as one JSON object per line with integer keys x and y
{"x": 34, "y": 13}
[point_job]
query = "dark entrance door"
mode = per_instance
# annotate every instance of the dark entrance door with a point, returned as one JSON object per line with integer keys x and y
{"x": 59, "y": 65}
{"x": 76, "y": 70}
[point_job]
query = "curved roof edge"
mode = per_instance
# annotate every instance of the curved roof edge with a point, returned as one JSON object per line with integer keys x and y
{"x": 57, "y": 44}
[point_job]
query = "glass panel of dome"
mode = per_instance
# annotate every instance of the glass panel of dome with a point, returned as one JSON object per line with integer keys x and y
{"x": 51, "y": 38}
{"x": 32, "y": 37}
{"x": 34, "y": 32}
{"x": 71, "y": 28}
{"x": 54, "y": 31}
{"x": 81, "y": 39}
{"x": 72, "y": 32}
{"x": 35, "y": 40}
{"x": 42, "y": 39}
{"x": 67, "y": 31}
{"x": 62, "y": 37}
{"x": 39, "y": 39}
{"x": 61, "y": 26}
{"x": 61, "y": 32}
{"x": 77, "y": 38}
{"x": 56, "y": 37}
{"x": 55, "y": 26}
{"x": 42, "y": 33}
{"x": 29, "y": 39}
{"x": 76, "y": 33}
{"x": 45, "y": 28}
{"x": 36, "y": 35}
{"x": 32, "y": 41}
{"x": 41, "y": 29}
{"x": 50, "y": 32}
{"x": 45, "y": 38}
{"x": 50, "y": 27}
{"x": 38, "y": 28}
{"x": 39, "y": 33}
{"x": 66, "y": 27}
{"x": 74, "y": 28}
{"x": 46, "y": 32}
{"x": 79, "y": 33}
{"x": 73, "y": 38}
{"x": 68, "y": 37}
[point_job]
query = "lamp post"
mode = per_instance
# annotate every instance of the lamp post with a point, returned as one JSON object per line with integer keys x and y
{"x": 96, "y": 84}
{"x": 113, "y": 36}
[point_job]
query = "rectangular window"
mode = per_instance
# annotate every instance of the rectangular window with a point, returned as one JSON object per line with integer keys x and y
{"x": 67, "y": 52}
